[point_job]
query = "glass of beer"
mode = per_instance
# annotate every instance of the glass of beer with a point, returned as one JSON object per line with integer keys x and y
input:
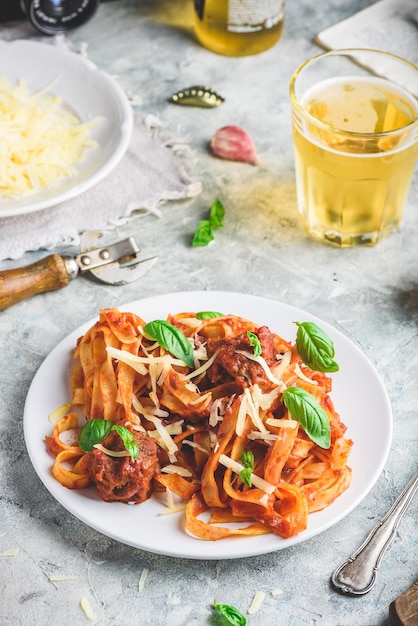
{"x": 355, "y": 132}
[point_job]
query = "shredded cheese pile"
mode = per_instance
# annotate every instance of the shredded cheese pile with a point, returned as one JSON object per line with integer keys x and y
{"x": 40, "y": 142}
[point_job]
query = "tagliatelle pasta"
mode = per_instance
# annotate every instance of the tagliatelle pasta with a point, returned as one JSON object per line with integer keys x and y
{"x": 248, "y": 436}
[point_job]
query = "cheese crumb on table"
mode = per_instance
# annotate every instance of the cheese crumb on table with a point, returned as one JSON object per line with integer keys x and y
{"x": 256, "y": 603}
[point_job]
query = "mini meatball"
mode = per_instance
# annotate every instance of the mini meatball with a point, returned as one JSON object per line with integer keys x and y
{"x": 120, "y": 479}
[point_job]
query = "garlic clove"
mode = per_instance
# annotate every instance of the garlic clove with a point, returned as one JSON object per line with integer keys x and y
{"x": 235, "y": 144}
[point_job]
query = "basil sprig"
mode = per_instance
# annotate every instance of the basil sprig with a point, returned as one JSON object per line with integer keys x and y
{"x": 98, "y": 429}
{"x": 305, "y": 409}
{"x": 171, "y": 339}
{"x": 255, "y": 343}
{"x": 207, "y": 315}
{"x": 231, "y": 614}
{"x": 315, "y": 347}
{"x": 247, "y": 460}
{"x": 204, "y": 232}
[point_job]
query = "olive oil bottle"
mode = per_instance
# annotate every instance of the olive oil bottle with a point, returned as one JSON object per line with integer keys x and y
{"x": 238, "y": 27}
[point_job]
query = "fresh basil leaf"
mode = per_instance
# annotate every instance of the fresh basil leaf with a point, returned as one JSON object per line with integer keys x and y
{"x": 231, "y": 614}
{"x": 172, "y": 339}
{"x": 207, "y": 315}
{"x": 245, "y": 476}
{"x": 315, "y": 347}
{"x": 305, "y": 409}
{"x": 128, "y": 440}
{"x": 98, "y": 429}
{"x": 247, "y": 460}
{"x": 255, "y": 343}
{"x": 204, "y": 234}
{"x": 217, "y": 214}
{"x": 94, "y": 432}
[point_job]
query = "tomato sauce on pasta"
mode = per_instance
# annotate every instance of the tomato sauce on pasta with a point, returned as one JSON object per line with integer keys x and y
{"x": 213, "y": 428}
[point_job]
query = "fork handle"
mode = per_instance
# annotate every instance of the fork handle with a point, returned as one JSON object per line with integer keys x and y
{"x": 357, "y": 575}
{"x": 48, "y": 274}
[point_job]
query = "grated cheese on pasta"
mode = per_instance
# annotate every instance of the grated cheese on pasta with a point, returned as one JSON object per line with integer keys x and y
{"x": 171, "y": 506}
{"x": 177, "y": 469}
{"x": 273, "y": 378}
{"x": 59, "y": 412}
{"x": 115, "y": 453}
{"x": 302, "y": 376}
{"x": 237, "y": 468}
{"x": 253, "y": 412}
{"x": 282, "y": 422}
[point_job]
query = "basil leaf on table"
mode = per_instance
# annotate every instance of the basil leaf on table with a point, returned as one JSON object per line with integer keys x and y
{"x": 315, "y": 347}
{"x": 231, "y": 614}
{"x": 207, "y": 315}
{"x": 255, "y": 343}
{"x": 217, "y": 214}
{"x": 306, "y": 410}
{"x": 171, "y": 339}
{"x": 98, "y": 429}
{"x": 204, "y": 234}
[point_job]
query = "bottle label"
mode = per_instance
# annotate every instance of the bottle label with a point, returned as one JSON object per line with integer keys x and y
{"x": 248, "y": 16}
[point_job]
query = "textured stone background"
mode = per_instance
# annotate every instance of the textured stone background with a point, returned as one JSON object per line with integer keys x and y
{"x": 371, "y": 295}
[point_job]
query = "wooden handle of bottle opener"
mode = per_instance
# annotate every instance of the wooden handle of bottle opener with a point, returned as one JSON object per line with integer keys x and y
{"x": 48, "y": 274}
{"x": 404, "y": 610}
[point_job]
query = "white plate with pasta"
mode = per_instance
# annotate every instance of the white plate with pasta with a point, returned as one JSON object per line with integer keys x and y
{"x": 65, "y": 126}
{"x": 357, "y": 394}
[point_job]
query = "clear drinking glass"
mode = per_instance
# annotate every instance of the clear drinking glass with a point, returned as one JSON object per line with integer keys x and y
{"x": 355, "y": 132}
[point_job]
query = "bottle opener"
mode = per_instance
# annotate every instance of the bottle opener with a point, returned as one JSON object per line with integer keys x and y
{"x": 115, "y": 264}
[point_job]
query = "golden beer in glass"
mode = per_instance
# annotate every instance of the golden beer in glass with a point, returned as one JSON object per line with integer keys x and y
{"x": 355, "y": 143}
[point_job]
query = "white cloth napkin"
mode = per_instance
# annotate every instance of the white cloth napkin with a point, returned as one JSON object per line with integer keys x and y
{"x": 153, "y": 171}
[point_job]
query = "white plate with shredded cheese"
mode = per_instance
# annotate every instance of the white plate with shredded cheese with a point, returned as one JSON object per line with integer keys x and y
{"x": 65, "y": 125}
{"x": 358, "y": 395}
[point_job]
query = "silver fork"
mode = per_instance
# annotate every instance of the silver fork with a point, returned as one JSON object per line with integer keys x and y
{"x": 357, "y": 575}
